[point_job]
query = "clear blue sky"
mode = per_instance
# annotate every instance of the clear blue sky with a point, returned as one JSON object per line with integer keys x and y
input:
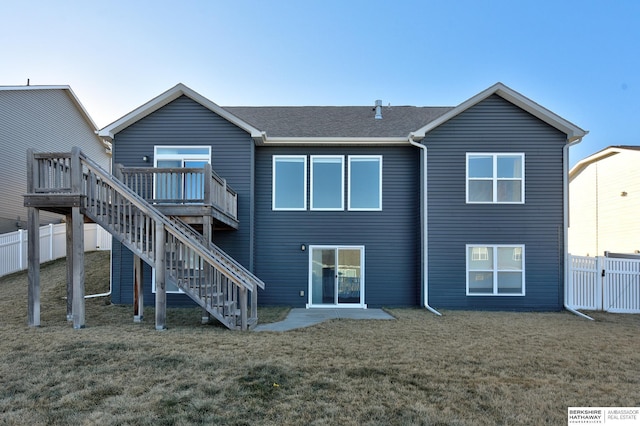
{"x": 580, "y": 59}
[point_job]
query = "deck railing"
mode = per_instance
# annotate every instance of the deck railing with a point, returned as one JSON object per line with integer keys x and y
{"x": 186, "y": 185}
{"x": 49, "y": 173}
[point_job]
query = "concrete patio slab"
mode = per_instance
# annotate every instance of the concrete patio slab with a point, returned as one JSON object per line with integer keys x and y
{"x": 299, "y": 317}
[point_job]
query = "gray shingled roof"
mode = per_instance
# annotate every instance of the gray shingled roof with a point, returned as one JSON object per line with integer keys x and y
{"x": 337, "y": 121}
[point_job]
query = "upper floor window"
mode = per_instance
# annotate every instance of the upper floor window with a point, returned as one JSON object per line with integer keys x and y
{"x": 495, "y": 270}
{"x": 365, "y": 182}
{"x": 495, "y": 178}
{"x": 289, "y": 182}
{"x": 327, "y": 182}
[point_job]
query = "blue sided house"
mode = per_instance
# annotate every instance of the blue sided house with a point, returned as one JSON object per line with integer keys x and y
{"x": 440, "y": 207}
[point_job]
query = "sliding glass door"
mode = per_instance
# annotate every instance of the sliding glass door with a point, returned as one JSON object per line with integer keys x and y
{"x": 336, "y": 276}
{"x": 178, "y": 186}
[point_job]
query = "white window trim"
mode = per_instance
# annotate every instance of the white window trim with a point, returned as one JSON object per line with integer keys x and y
{"x": 494, "y": 269}
{"x": 183, "y": 157}
{"x": 273, "y": 182}
{"x": 341, "y": 208}
{"x": 371, "y": 157}
{"x": 495, "y": 179}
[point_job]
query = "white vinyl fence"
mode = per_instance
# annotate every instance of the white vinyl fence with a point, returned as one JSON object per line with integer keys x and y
{"x": 53, "y": 245}
{"x": 602, "y": 283}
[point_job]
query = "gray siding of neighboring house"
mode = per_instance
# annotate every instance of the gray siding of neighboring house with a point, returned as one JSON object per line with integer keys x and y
{"x": 46, "y": 120}
{"x": 495, "y": 125}
{"x": 390, "y": 236}
{"x": 185, "y": 122}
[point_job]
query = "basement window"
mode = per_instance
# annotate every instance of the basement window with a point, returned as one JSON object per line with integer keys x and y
{"x": 495, "y": 270}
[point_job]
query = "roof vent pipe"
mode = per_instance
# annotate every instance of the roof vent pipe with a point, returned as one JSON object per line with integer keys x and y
{"x": 379, "y": 109}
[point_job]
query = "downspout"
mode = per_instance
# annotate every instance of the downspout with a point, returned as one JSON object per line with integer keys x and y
{"x": 565, "y": 212}
{"x": 108, "y": 293}
{"x": 423, "y": 220}
{"x": 91, "y": 296}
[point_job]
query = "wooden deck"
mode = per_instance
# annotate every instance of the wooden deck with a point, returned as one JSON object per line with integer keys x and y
{"x": 147, "y": 210}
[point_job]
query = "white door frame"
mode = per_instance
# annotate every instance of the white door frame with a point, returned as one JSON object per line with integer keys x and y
{"x": 337, "y": 248}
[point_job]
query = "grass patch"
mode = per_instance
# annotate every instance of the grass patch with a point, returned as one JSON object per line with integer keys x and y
{"x": 269, "y": 314}
{"x": 465, "y": 368}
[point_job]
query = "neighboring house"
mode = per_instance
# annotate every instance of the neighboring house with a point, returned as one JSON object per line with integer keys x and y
{"x": 605, "y": 202}
{"x": 46, "y": 119}
{"x": 444, "y": 207}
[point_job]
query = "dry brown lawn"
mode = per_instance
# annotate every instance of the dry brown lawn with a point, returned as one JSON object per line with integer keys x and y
{"x": 464, "y": 368}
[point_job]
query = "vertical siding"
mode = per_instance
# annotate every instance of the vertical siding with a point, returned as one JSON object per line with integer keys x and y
{"x": 185, "y": 122}
{"x": 45, "y": 120}
{"x": 390, "y": 236}
{"x": 495, "y": 125}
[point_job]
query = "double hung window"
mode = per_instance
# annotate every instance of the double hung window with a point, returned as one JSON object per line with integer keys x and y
{"x": 495, "y": 270}
{"x": 495, "y": 178}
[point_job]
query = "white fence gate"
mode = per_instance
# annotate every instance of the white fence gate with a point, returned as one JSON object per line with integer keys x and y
{"x": 53, "y": 245}
{"x": 604, "y": 283}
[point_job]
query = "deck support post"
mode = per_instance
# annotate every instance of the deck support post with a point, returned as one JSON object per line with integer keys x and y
{"x": 69, "y": 262}
{"x": 243, "y": 308}
{"x": 77, "y": 238}
{"x": 33, "y": 246}
{"x": 254, "y": 303}
{"x": 33, "y": 250}
{"x": 161, "y": 293}
{"x": 207, "y": 233}
{"x": 77, "y": 261}
{"x": 138, "y": 291}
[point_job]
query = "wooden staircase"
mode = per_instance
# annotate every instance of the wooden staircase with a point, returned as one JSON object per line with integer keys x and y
{"x": 180, "y": 255}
